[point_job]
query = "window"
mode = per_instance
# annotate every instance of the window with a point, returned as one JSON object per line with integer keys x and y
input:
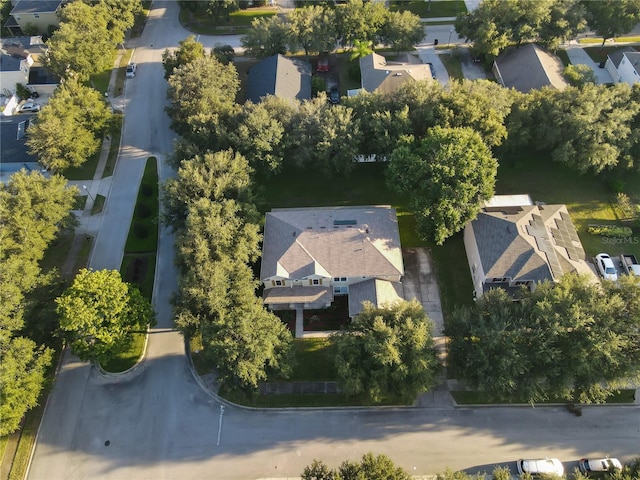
{"x": 340, "y": 290}
{"x": 339, "y": 279}
{"x": 279, "y": 283}
{"x": 316, "y": 281}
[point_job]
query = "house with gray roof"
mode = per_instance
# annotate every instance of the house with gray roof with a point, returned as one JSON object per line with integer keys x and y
{"x": 381, "y": 75}
{"x": 529, "y": 67}
{"x": 624, "y": 65}
{"x": 515, "y": 243}
{"x": 312, "y": 254}
{"x": 280, "y": 76}
{"x": 33, "y": 16}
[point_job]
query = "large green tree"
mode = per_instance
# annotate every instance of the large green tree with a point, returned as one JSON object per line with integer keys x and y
{"x": 99, "y": 312}
{"x": 370, "y": 467}
{"x": 68, "y": 129}
{"x": 447, "y": 176}
{"x": 312, "y": 28}
{"x": 576, "y": 340}
{"x": 387, "y": 351}
{"x": 188, "y": 50}
{"x": 359, "y": 20}
{"x": 402, "y": 30}
{"x": 610, "y": 18}
{"x": 267, "y": 36}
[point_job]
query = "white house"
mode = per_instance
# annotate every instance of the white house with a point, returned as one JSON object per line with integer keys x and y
{"x": 312, "y": 254}
{"x": 624, "y": 65}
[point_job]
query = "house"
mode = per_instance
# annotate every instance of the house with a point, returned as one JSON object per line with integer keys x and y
{"x": 15, "y": 64}
{"x": 312, "y": 254}
{"x": 514, "y": 242}
{"x": 14, "y": 154}
{"x": 280, "y": 76}
{"x": 381, "y": 75}
{"x": 529, "y": 67}
{"x": 28, "y": 17}
{"x": 624, "y": 65}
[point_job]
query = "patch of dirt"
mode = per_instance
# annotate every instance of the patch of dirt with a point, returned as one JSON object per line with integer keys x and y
{"x": 137, "y": 270}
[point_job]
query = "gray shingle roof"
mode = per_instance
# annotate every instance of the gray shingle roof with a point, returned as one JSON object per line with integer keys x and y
{"x": 530, "y": 67}
{"x": 279, "y": 76}
{"x": 331, "y": 242}
{"x": 376, "y": 291}
{"x": 616, "y": 57}
{"x": 379, "y": 74}
{"x": 36, "y": 6}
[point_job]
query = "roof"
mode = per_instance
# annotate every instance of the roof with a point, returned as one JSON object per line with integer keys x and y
{"x": 36, "y": 6}
{"x": 528, "y": 242}
{"x": 379, "y": 292}
{"x": 616, "y": 57}
{"x": 382, "y": 75}
{"x": 280, "y": 76}
{"x": 530, "y": 67}
{"x": 298, "y": 294}
{"x": 12, "y": 54}
{"x": 634, "y": 59}
{"x": 331, "y": 242}
{"x": 14, "y": 149}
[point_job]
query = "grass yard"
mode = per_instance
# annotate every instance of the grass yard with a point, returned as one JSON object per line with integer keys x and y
{"x": 599, "y": 54}
{"x": 237, "y": 23}
{"x": 586, "y": 196}
{"x": 315, "y": 360}
{"x": 114, "y": 148}
{"x": 430, "y": 9}
{"x": 451, "y": 62}
{"x": 98, "y": 205}
{"x": 128, "y": 358}
{"x": 143, "y": 233}
{"x": 477, "y": 398}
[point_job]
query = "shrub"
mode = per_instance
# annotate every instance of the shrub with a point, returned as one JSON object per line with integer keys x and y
{"x": 143, "y": 210}
{"x": 609, "y": 230}
{"x": 140, "y": 230}
{"x": 22, "y": 92}
{"x": 146, "y": 190}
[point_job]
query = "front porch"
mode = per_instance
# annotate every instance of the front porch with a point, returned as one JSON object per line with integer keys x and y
{"x": 316, "y": 322}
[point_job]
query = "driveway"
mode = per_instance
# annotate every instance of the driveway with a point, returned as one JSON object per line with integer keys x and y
{"x": 578, "y": 56}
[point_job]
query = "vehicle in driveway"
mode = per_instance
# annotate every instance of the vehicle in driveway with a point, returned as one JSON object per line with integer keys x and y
{"x": 606, "y": 267}
{"x": 630, "y": 264}
{"x": 540, "y": 466}
{"x": 433, "y": 70}
{"x": 131, "y": 70}
{"x": 596, "y": 465}
{"x": 323, "y": 64}
{"x": 29, "y": 106}
{"x": 334, "y": 95}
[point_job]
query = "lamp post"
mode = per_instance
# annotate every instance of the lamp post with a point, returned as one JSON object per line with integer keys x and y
{"x": 84, "y": 187}
{"x": 450, "y": 33}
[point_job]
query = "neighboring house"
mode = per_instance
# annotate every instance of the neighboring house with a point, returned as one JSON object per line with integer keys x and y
{"x": 28, "y": 17}
{"x": 529, "y": 67}
{"x": 15, "y": 63}
{"x": 14, "y": 154}
{"x": 381, "y": 75}
{"x": 514, "y": 243}
{"x": 624, "y": 65}
{"x": 279, "y": 76}
{"x": 312, "y": 254}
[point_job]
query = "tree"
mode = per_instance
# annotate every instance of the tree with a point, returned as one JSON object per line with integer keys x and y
{"x": 202, "y": 95}
{"x": 359, "y": 20}
{"x": 267, "y": 36}
{"x": 99, "y": 312}
{"x": 83, "y": 44}
{"x": 447, "y": 174}
{"x": 22, "y": 373}
{"x": 188, "y": 50}
{"x": 579, "y": 75}
{"x": 567, "y": 18}
{"x": 312, "y": 28}
{"x": 370, "y": 467}
{"x": 575, "y": 340}
{"x": 121, "y": 16}
{"x": 387, "y": 351}
{"x": 67, "y": 130}
{"x": 610, "y": 18}
{"x": 402, "y": 30}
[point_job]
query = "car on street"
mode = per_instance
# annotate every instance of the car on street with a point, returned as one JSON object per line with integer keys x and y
{"x": 589, "y": 465}
{"x": 540, "y": 466}
{"x": 131, "y": 70}
{"x": 606, "y": 267}
{"x": 29, "y": 106}
{"x": 334, "y": 95}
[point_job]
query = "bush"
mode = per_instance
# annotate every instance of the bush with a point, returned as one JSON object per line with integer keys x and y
{"x": 143, "y": 210}
{"x": 22, "y": 92}
{"x": 609, "y": 230}
{"x": 146, "y": 190}
{"x": 140, "y": 230}
{"x": 318, "y": 84}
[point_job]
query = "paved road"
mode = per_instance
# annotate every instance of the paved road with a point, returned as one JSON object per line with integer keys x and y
{"x": 157, "y": 423}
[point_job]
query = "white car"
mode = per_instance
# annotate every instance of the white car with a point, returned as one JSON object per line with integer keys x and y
{"x": 588, "y": 465}
{"x": 538, "y": 467}
{"x": 606, "y": 267}
{"x": 131, "y": 70}
{"x": 29, "y": 106}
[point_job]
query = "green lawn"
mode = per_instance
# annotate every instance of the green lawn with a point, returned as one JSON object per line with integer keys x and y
{"x": 452, "y": 64}
{"x": 237, "y": 23}
{"x": 430, "y": 9}
{"x": 143, "y": 233}
{"x": 128, "y": 358}
{"x": 599, "y": 54}
{"x": 98, "y": 205}
{"x": 114, "y": 148}
{"x": 315, "y": 360}
{"x": 477, "y": 398}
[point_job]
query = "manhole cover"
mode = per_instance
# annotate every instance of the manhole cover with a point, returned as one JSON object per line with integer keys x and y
{"x": 107, "y": 443}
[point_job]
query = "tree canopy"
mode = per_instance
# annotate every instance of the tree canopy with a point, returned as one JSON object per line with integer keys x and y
{"x": 371, "y": 467}
{"x": 98, "y": 313}
{"x": 188, "y": 50}
{"x": 610, "y": 18}
{"x": 575, "y": 340}
{"x": 386, "y": 350}
{"x": 447, "y": 175}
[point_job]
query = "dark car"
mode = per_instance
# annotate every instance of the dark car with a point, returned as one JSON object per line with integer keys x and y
{"x": 334, "y": 95}
{"x": 433, "y": 70}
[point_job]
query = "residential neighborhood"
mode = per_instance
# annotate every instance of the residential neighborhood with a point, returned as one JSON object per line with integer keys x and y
{"x": 317, "y": 240}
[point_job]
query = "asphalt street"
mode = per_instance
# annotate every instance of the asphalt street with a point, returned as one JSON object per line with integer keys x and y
{"x": 157, "y": 423}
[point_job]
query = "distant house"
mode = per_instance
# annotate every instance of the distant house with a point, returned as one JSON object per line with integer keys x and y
{"x": 381, "y": 75}
{"x": 28, "y": 17}
{"x": 514, "y": 243}
{"x": 15, "y": 64}
{"x": 14, "y": 154}
{"x": 624, "y": 65}
{"x": 279, "y": 76}
{"x": 529, "y": 67}
{"x": 312, "y": 254}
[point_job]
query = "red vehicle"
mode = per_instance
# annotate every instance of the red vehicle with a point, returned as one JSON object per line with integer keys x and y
{"x": 323, "y": 64}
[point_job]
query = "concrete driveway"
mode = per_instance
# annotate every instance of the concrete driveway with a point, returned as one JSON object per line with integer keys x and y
{"x": 578, "y": 56}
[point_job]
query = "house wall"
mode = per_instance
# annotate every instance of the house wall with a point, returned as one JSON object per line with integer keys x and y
{"x": 627, "y": 72}
{"x": 613, "y": 71}
{"x": 39, "y": 21}
{"x": 8, "y": 80}
{"x": 473, "y": 257}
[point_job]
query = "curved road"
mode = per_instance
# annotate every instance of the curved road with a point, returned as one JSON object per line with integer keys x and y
{"x": 158, "y": 423}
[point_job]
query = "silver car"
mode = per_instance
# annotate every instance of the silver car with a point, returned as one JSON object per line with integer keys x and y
{"x": 541, "y": 466}
{"x": 588, "y": 465}
{"x": 29, "y": 106}
{"x": 131, "y": 70}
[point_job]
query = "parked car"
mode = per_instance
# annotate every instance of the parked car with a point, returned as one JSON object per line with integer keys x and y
{"x": 323, "y": 64}
{"x": 29, "y": 106}
{"x": 630, "y": 264}
{"x": 433, "y": 70}
{"x": 588, "y": 465}
{"x": 334, "y": 95}
{"x": 606, "y": 267}
{"x": 131, "y": 70}
{"x": 540, "y": 467}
